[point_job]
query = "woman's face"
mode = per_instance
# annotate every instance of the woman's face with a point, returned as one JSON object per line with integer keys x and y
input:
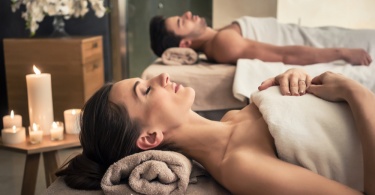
{"x": 157, "y": 102}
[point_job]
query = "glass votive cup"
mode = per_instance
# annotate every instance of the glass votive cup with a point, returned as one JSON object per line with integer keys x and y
{"x": 57, "y": 131}
{"x": 35, "y": 134}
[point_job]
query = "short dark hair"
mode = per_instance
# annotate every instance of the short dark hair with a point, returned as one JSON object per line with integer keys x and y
{"x": 160, "y": 38}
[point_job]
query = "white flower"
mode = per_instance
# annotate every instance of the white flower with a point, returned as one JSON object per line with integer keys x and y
{"x": 36, "y": 10}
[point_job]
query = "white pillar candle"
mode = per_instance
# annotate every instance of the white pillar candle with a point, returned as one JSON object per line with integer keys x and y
{"x": 72, "y": 121}
{"x": 57, "y": 131}
{"x": 13, "y": 135}
{"x": 39, "y": 93}
{"x": 35, "y": 134}
{"x": 12, "y": 120}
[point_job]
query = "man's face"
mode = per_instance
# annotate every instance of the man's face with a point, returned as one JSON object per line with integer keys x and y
{"x": 186, "y": 26}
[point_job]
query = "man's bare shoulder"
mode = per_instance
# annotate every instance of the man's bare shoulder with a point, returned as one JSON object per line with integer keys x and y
{"x": 227, "y": 45}
{"x": 233, "y": 26}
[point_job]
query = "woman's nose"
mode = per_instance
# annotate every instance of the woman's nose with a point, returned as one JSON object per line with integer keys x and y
{"x": 164, "y": 79}
{"x": 188, "y": 14}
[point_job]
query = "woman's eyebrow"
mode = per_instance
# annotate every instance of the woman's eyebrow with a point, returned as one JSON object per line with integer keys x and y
{"x": 135, "y": 89}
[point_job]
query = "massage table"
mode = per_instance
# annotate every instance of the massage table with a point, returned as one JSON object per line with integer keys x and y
{"x": 212, "y": 84}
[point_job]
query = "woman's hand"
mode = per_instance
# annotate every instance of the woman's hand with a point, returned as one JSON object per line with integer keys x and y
{"x": 333, "y": 87}
{"x": 292, "y": 82}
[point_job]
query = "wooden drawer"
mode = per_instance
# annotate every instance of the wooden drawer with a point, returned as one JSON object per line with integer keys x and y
{"x": 47, "y": 50}
{"x": 76, "y": 67}
{"x": 92, "y": 77}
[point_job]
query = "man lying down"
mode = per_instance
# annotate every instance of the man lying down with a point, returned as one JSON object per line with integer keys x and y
{"x": 320, "y": 141}
{"x": 264, "y": 39}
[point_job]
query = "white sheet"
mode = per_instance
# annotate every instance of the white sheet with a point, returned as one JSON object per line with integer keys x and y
{"x": 269, "y": 30}
{"x": 251, "y": 73}
{"x": 315, "y": 134}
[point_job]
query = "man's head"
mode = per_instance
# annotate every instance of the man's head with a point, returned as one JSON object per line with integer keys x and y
{"x": 175, "y": 31}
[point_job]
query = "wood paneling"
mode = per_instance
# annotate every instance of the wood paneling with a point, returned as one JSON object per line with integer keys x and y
{"x": 75, "y": 65}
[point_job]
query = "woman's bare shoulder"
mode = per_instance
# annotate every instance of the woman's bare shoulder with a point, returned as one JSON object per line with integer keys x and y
{"x": 229, "y": 115}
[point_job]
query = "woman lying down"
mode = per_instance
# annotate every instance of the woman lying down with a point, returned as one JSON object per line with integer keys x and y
{"x": 243, "y": 152}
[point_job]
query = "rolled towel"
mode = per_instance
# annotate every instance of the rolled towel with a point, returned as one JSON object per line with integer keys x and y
{"x": 179, "y": 56}
{"x": 148, "y": 172}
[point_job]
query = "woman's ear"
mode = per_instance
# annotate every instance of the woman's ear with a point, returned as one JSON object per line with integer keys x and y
{"x": 185, "y": 43}
{"x": 149, "y": 140}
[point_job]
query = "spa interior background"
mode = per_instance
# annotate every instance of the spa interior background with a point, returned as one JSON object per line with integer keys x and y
{"x": 126, "y": 46}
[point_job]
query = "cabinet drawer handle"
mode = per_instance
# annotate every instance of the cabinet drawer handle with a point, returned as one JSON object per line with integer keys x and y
{"x": 94, "y": 45}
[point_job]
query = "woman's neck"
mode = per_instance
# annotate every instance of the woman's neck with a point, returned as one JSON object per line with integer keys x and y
{"x": 198, "y": 137}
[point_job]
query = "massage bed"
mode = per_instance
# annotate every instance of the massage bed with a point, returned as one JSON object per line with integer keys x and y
{"x": 212, "y": 84}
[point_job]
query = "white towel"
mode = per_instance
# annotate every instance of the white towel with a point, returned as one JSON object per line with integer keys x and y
{"x": 315, "y": 134}
{"x": 269, "y": 30}
{"x": 251, "y": 73}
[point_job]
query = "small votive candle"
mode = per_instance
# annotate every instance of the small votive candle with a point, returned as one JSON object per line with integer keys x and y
{"x": 13, "y": 135}
{"x": 57, "y": 131}
{"x": 72, "y": 118}
{"x": 36, "y": 134}
{"x": 12, "y": 120}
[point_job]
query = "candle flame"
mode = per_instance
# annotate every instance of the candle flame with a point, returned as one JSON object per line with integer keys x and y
{"x": 74, "y": 112}
{"x": 14, "y": 128}
{"x": 11, "y": 114}
{"x": 35, "y": 127}
{"x": 36, "y": 70}
{"x": 54, "y": 125}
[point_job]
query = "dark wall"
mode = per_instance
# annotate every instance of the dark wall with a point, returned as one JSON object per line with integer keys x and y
{"x": 12, "y": 25}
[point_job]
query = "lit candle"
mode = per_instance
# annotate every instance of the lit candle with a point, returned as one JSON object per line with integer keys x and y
{"x": 39, "y": 93}
{"x": 36, "y": 134}
{"x": 13, "y": 135}
{"x": 57, "y": 131}
{"x": 12, "y": 120}
{"x": 72, "y": 118}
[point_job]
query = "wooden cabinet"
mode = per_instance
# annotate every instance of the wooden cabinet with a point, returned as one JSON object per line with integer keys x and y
{"x": 75, "y": 65}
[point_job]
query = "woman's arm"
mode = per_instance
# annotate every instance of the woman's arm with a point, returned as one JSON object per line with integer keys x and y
{"x": 335, "y": 87}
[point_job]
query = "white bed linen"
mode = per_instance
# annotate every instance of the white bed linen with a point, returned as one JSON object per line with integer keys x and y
{"x": 251, "y": 73}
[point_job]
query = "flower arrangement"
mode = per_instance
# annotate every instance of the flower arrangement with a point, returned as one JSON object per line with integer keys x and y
{"x": 36, "y": 10}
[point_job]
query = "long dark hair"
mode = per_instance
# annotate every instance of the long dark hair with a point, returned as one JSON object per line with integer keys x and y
{"x": 160, "y": 38}
{"x": 107, "y": 135}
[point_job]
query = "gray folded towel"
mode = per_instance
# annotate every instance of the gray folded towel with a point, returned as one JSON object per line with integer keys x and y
{"x": 179, "y": 56}
{"x": 148, "y": 172}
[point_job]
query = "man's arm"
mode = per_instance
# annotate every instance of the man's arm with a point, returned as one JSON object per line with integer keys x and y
{"x": 230, "y": 46}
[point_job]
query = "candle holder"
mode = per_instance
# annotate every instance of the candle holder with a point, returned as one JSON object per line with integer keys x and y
{"x": 57, "y": 131}
{"x": 72, "y": 121}
{"x": 35, "y": 134}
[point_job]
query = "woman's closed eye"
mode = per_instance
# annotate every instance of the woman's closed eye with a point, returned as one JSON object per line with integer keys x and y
{"x": 148, "y": 90}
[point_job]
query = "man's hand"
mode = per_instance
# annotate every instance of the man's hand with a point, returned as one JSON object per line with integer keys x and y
{"x": 292, "y": 82}
{"x": 356, "y": 56}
